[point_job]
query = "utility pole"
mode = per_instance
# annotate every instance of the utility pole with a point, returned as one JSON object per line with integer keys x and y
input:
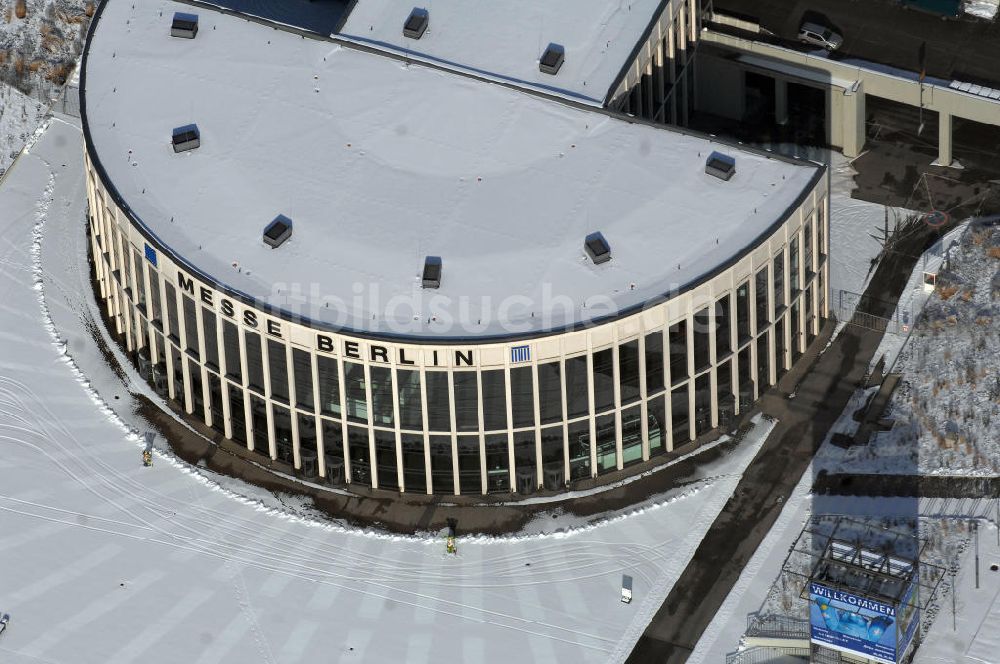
{"x": 975, "y": 530}
{"x": 954, "y": 590}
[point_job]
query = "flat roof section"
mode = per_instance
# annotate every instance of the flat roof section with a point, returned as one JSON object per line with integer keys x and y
{"x": 505, "y": 40}
{"x": 381, "y": 164}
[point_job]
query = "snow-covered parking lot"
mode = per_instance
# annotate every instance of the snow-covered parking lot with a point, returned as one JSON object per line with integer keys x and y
{"x": 103, "y": 560}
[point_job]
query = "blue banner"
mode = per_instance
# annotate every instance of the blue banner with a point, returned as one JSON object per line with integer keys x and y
{"x": 853, "y": 624}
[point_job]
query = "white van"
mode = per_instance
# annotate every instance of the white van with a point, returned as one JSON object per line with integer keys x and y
{"x": 817, "y": 35}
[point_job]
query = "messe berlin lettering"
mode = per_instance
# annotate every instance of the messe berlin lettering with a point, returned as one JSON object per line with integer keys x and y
{"x": 324, "y": 343}
{"x": 852, "y": 600}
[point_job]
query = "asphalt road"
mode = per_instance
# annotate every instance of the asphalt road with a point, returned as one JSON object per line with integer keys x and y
{"x": 882, "y": 31}
{"x": 821, "y": 395}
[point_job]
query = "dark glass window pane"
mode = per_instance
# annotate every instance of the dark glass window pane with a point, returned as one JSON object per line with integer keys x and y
{"x": 307, "y": 443}
{"x": 197, "y": 395}
{"x": 525, "y": 470}
{"x": 255, "y": 362}
{"x": 702, "y": 404}
{"x": 607, "y": 455}
{"x": 577, "y": 399}
{"x": 329, "y": 385}
{"x": 763, "y": 362}
{"x": 550, "y": 392}
{"x": 631, "y": 435}
{"x": 579, "y": 450}
{"x": 441, "y": 469}
{"x": 552, "y": 448}
{"x": 278, "y": 366}
{"x": 522, "y": 397}
{"x": 497, "y": 463}
{"x": 466, "y": 401}
{"x": 385, "y": 455}
{"x": 155, "y": 310}
{"x": 438, "y": 404}
{"x": 469, "y": 475}
{"x": 231, "y": 345}
{"x": 382, "y": 393}
{"x": 302, "y": 365}
{"x": 656, "y": 423}
{"x": 793, "y": 266}
{"x": 171, "y": 295}
{"x": 140, "y": 282}
{"x": 282, "y": 433}
{"x": 780, "y": 347}
{"x": 410, "y": 415}
{"x": 628, "y": 371}
{"x": 654, "y": 362}
{"x": 237, "y": 413}
{"x": 724, "y": 392}
{"x": 678, "y": 352}
{"x": 701, "y": 339}
{"x": 354, "y": 387}
{"x": 333, "y": 451}
{"x": 723, "y": 322}
{"x": 553, "y": 458}
{"x": 743, "y": 312}
{"x": 360, "y": 455}
{"x": 414, "y": 468}
{"x": 680, "y": 411}
{"x": 177, "y": 365}
{"x": 494, "y": 400}
{"x": 215, "y": 402}
{"x": 211, "y": 338}
{"x": 807, "y": 244}
{"x": 796, "y": 330}
{"x": 761, "y": 293}
{"x": 190, "y": 326}
{"x": 820, "y": 232}
{"x": 743, "y": 366}
{"x": 779, "y": 282}
{"x": 258, "y": 422}
{"x": 604, "y": 384}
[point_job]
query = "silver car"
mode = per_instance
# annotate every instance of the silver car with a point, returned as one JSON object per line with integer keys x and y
{"x": 818, "y": 35}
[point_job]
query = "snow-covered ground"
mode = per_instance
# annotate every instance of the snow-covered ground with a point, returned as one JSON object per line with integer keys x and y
{"x": 982, "y": 8}
{"x": 946, "y": 409}
{"x": 37, "y": 51}
{"x": 106, "y": 561}
{"x": 20, "y": 116}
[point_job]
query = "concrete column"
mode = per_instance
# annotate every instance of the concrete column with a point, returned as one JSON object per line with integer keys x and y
{"x": 780, "y": 101}
{"x": 944, "y": 140}
{"x": 854, "y": 120}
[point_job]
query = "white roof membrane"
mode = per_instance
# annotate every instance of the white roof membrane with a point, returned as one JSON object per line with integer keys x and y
{"x": 505, "y": 40}
{"x": 379, "y": 164}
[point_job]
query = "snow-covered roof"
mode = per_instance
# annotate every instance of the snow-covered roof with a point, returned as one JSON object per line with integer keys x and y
{"x": 380, "y": 163}
{"x": 505, "y": 40}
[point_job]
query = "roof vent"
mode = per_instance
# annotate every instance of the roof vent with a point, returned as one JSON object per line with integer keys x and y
{"x": 552, "y": 59}
{"x": 184, "y": 25}
{"x": 278, "y": 231}
{"x": 597, "y": 248}
{"x": 432, "y": 272}
{"x": 186, "y": 138}
{"x": 721, "y": 166}
{"x": 416, "y": 23}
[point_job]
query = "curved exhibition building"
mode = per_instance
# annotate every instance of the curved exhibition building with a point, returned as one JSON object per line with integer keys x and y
{"x": 393, "y": 272}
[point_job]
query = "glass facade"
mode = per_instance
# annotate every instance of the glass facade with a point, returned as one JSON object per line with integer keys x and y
{"x": 521, "y": 425}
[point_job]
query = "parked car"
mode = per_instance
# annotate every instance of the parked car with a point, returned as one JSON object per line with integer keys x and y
{"x": 818, "y": 35}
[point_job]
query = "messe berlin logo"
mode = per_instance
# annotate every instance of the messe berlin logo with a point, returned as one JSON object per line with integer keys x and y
{"x": 520, "y": 353}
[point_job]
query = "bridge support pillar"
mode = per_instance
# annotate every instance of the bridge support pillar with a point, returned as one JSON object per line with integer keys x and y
{"x": 854, "y": 120}
{"x": 945, "y": 157}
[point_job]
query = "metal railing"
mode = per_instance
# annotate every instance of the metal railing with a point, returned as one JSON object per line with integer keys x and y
{"x": 782, "y": 627}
